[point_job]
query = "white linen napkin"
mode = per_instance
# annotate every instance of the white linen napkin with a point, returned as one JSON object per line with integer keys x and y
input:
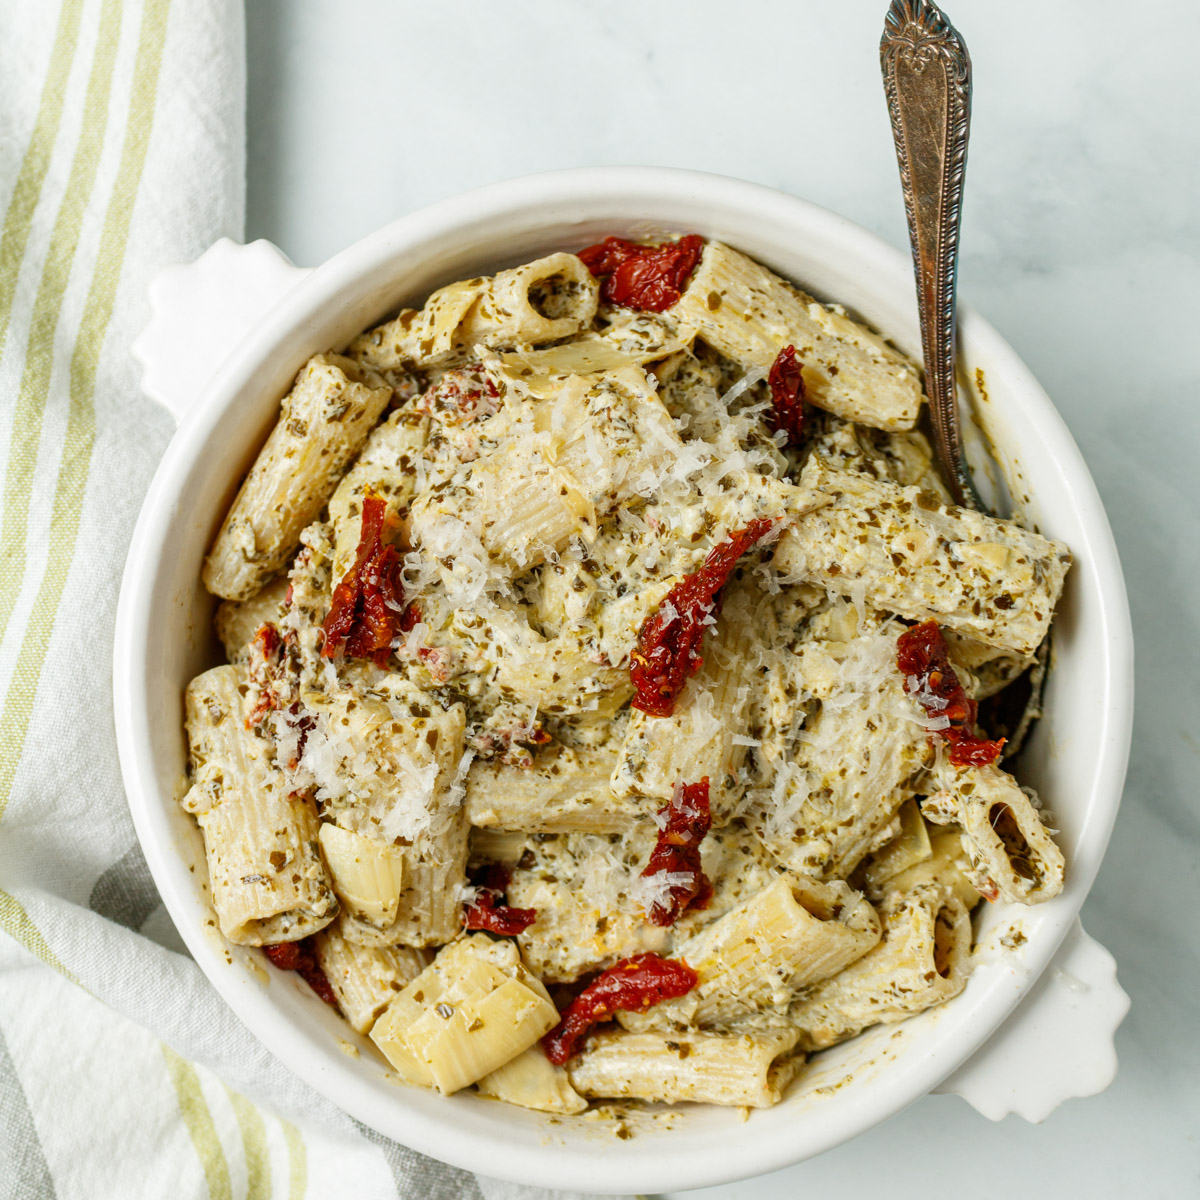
{"x": 122, "y": 1073}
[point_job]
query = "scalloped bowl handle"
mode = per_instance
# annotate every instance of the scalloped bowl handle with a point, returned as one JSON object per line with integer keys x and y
{"x": 1058, "y": 1045}
{"x": 200, "y": 310}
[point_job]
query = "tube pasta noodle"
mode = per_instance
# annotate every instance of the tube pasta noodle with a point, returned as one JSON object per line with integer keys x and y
{"x": 946, "y": 869}
{"x": 386, "y": 768}
{"x": 791, "y": 934}
{"x": 591, "y": 897}
{"x": 748, "y": 314}
{"x": 988, "y": 579}
{"x": 365, "y": 978}
{"x": 554, "y": 673}
{"x": 566, "y": 790}
{"x": 1011, "y": 852}
{"x": 323, "y": 423}
{"x": 477, "y": 551}
{"x": 921, "y": 961}
{"x": 630, "y": 340}
{"x": 386, "y": 467}
{"x": 542, "y": 301}
{"x": 909, "y": 847}
{"x": 707, "y": 734}
{"x": 584, "y": 889}
{"x": 368, "y": 876}
{"x": 600, "y": 442}
{"x": 237, "y": 621}
{"x": 710, "y": 1068}
{"x": 267, "y": 880}
{"x": 840, "y": 780}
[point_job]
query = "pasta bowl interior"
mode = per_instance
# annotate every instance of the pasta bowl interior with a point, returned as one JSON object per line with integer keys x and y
{"x": 1075, "y": 757}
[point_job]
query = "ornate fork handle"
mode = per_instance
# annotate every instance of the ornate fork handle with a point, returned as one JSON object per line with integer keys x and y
{"x": 927, "y": 78}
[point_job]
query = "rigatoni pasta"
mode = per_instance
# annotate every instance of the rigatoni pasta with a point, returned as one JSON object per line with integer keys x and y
{"x": 793, "y": 933}
{"x": 532, "y": 1081}
{"x": 745, "y": 1070}
{"x": 922, "y": 559}
{"x": 541, "y": 301}
{"x": 323, "y": 423}
{"x": 921, "y": 962}
{"x": 365, "y": 979}
{"x": 267, "y": 878}
{"x": 603, "y": 627}
{"x": 1011, "y": 852}
{"x": 747, "y": 313}
{"x": 567, "y": 789}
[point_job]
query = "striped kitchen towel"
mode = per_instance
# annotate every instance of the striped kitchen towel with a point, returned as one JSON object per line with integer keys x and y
{"x": 122, "y": 1074}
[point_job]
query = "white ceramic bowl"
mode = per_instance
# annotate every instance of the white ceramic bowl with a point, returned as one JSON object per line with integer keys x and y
{"x": 1076, "y": 760}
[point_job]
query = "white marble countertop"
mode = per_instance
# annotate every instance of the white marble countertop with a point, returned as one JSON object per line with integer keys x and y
{"x": 1081, "y": 244}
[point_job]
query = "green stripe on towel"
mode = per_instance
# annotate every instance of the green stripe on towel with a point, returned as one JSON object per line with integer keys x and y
{"x": 199, "y": 1123}
{"x": 297, "y": 1161}
{"x": 34, "y": 390}
{"x": 19, "y": 219}
{"x": 80, "y": 433}
{"x": 18, "y": 924}
{"x": 254, "y": 1147}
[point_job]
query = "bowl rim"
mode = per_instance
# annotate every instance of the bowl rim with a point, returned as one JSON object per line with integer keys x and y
{"x": 432, "y": 1128}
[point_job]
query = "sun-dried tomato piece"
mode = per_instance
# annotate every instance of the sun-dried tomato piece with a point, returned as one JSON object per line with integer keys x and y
{"x": 786, "y": 380}
{"x": 668, "y": 646}
{"x": 929, "y": 678}
{"x": 974, "y": 751}
{"x": 647, "y": 278}
{"x": 304, "y": 724}
{"x": 301, "y": 957}
{"x": 368, "y": 603}
{"x": 633, "y": 985}
{"x": 275, "y": 688}
{"x": 685, "y": 821}
{"x": 461, "y": 396}
{"x": 489, "y": 910}
{"x": 265, "y": 668}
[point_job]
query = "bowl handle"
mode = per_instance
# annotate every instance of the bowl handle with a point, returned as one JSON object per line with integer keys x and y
{"x": 200, "y": 310}
{"x": 1057, "y": 1045}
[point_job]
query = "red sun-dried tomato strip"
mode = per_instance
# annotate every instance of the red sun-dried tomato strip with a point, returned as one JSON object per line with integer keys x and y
{"x": 265, "y": 667}
{"x": 461, "y": 396}
{"x": 677, "y": 851}
{"x": 301, "y": 957}
{"x": 647, "y": 278}
{"x": 411, "y": 618}
{"x": 668, "y": 646}
{"x": 923, "y": 659}
{"x": 633, "y": 985}
{"x": 272, "y": 671}
{"x": 368, "y": 603}
{"x": 786, "y": 380}
{"x": 490, "y": 911}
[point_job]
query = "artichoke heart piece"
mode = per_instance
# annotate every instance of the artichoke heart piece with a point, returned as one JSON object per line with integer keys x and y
{"x": 473, "y": 1009}
{"x": 367, "y": 874}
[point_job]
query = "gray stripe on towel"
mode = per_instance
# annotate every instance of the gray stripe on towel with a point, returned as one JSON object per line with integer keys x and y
{"x": 125, "y": 893}
{"x": 25, "y": 1174}
{"x": 420, "y": 1178}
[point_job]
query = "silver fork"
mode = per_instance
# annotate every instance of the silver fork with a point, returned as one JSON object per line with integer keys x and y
{"x": 927, "y": 78}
